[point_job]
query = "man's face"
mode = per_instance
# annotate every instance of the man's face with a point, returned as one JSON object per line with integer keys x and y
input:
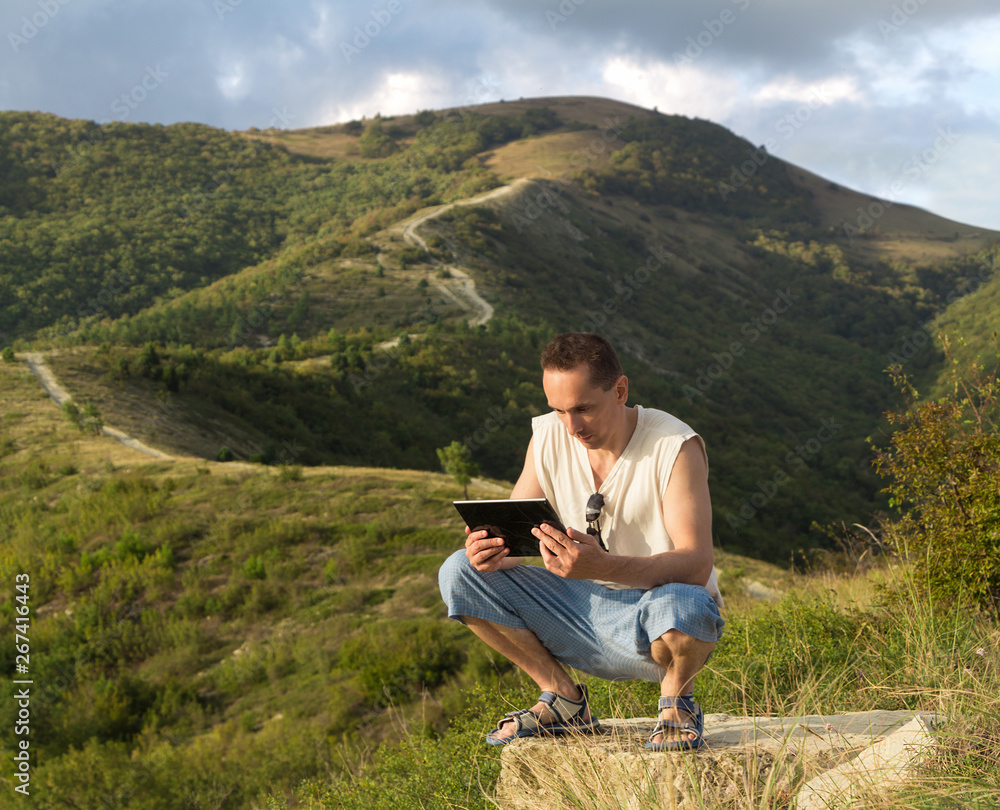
{"x": 590, "y": 414}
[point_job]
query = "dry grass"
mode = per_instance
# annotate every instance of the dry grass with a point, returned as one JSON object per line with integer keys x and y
{"x": 907, "y": 233}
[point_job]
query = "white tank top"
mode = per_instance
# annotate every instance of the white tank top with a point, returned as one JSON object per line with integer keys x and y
{"x": 632, "y": 520}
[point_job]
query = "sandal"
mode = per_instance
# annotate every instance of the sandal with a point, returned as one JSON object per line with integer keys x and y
{"x": 568, "y": 717}
{"x": 693, "y": 710}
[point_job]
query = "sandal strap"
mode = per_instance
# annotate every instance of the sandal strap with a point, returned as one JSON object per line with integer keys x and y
{"x": 663, "y": 725}
{"x": 685, "y": 703}
{"x": 563, "y": 710}
{"x": 522, "y": 719}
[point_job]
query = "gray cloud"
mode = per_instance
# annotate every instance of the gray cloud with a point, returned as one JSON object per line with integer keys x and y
{"x": 876, "y": 78}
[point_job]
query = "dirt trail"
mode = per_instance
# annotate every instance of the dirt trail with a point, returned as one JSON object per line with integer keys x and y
{"x": 460, "y": 288}
{"x": 36, "y": 362}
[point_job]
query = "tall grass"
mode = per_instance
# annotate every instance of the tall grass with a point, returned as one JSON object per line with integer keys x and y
{"x": 860, "y": 642}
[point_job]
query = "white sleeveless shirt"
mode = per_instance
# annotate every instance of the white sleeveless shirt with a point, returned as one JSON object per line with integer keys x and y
{"x": 632, "y": 519}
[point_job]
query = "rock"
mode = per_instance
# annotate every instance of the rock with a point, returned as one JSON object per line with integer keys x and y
{"x": 884, "y": 764}
{"x": 758, "y": 590}
{"x": 746, "y": 761}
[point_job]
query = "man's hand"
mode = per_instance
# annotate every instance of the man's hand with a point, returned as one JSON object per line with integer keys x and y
{"x": 484, "y": 552}
{"x": 571, "y": 554}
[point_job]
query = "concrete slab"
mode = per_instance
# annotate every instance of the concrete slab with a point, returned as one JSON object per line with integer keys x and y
{"x": 884, "y": 764}
{"x": 745, "y": 760}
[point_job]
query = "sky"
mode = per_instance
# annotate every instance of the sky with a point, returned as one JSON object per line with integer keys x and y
{"x": 895, "y": 98}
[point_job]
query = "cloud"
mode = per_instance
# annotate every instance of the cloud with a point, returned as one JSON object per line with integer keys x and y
{"x": 848, "y": 89}
{"x": 672, "y": 88}
{"x": 831, "y": 90}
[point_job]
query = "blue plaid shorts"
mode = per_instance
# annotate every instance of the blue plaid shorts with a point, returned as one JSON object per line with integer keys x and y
{"x": 598, "y": 630}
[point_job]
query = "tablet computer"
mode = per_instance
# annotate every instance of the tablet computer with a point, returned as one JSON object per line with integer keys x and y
{"x": 512, "y": 520}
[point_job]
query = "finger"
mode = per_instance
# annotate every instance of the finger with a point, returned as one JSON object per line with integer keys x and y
{"x": 475, "y": 538}
{"x": 487, "y": 544}
{"x": 545, "y": 532}
{"x": 581, "y": 537}
{"x": 490, "y": 560}
{"x": 549, "y": 545}
{"x": 488, "y": 554}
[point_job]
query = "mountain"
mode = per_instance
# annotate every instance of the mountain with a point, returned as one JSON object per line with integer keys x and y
{"x": 267, "y": 631}
{"x": 370, "y": 291}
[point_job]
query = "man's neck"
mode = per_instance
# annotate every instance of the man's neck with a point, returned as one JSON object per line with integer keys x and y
{"x": 603, "y": 459}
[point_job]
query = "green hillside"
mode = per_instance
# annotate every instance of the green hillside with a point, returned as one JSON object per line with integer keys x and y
{"x": 339, "y": 326}
{"x": 330, "y": 306}
{"x": 232, "y": 635}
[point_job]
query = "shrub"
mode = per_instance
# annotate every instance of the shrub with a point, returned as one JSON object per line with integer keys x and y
{"x": 944, "y": 469}
{"x": 456, "y": 460}
{"x": 71, "y": 412}
{"x": 290, "y": 472}
{"x": 147, "y": 364}
{"x": 35, "y": 476}
{"x": 88, "y": 419}
{"x": 103, "y": 709}
{"x": 254, "y": 567}
{"x": 395, "y": 661}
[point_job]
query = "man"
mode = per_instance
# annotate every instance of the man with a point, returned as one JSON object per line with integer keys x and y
{"x": 648, "y": 607}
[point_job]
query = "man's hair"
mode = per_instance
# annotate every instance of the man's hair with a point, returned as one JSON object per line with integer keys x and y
{"x": 571, "y": 350}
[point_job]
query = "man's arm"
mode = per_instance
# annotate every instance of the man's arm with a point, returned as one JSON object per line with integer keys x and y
{"x": 527, "y": 485}
{"x": 687, "y": 516}
{"x": 481, "y": 549}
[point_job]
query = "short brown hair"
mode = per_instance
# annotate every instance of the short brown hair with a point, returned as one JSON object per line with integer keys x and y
{"x": 571, "y": 350}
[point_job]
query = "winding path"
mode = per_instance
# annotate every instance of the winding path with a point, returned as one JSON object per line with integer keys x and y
{"x": 463, "y": 289}
{"x": 36, "y": 362}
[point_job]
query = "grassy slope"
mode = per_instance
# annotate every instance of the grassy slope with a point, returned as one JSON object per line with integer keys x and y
{"x": 217, "y": 634}
{"x": 218, "y": 594}
{"x": 554, "y": 253}
{"x": 205, "y": 606}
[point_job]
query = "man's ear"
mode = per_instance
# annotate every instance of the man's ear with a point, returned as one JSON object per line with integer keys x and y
{"x": 621, "y": 389}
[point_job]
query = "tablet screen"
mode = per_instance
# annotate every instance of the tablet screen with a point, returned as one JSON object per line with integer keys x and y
{"x": 512, "y": 520}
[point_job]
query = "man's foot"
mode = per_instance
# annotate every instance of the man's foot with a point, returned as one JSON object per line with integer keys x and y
{"x": 680, "y": 725}
{"x": 552, "y": 714}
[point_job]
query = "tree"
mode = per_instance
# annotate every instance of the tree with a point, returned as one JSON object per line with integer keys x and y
{"x": 148, "y": 362}
{"x": 375, "y": 143}
{"x": 944, "y": 469}
{"x": 456, "y": 460}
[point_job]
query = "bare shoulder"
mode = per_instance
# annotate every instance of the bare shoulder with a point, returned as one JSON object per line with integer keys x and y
{"x": 692, "y": 462}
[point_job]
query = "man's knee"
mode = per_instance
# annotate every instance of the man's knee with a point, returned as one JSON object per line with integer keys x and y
{"x": 453, "y": 571}
{"x": 677, "y": 644}
{"x": 675, "y": 639}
